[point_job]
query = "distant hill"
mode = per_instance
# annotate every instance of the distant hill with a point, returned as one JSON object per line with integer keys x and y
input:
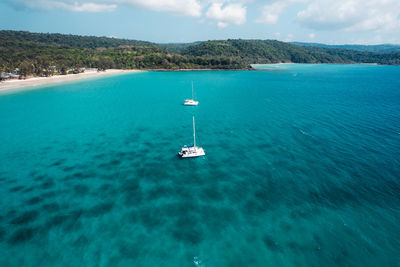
{"x": 176, "y": 48}
{"x": 382, "y": 48}
{"x": 271, "y": 51}
{"x": 68, "y": 40}
{"x": 44, "y": 54}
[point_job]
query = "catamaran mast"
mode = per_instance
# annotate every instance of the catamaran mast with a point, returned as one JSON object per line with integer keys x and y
{"x": 192, "y": 91}
{"x": 194, "y": 133}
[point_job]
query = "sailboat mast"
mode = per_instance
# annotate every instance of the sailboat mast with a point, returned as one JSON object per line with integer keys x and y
{"x": 194, "y": 133}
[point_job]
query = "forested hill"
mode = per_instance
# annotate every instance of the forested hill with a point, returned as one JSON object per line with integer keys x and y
{"x": 44, "y": 54}
{"x": 382, "y": 48}
{"x": 68, "y": 40}
{"x": 270, "y": 51}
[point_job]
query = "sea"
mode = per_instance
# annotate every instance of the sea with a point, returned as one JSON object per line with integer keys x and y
{"x": 302, "y": 168}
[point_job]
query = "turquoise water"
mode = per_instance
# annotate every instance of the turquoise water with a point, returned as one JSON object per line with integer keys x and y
{"x": 302, "y": 168}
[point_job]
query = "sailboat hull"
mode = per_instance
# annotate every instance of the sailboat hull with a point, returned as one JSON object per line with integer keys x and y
{"x": 191, "y": 152}
{"x": 190, "y": 102}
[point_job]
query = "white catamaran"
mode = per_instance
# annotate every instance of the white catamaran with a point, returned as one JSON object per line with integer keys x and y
{"x": 192, "y": 151}
{"x": 191, "y": 102}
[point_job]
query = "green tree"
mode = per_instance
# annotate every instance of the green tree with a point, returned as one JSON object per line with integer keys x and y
{"x": 26, "y": 68}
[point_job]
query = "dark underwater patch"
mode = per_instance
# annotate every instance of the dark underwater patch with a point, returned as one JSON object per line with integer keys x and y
{"x": 68, "y": 168}
{"x": 188, "y": 231}
{"x": 183, "y": 192}
{"x": 12, "y": 181}
{"x": 83, "y": 175}
{"x": 134, "y": 199}
{"x": 81, "y": 242}
{"x": 106, "y": 187}
{"x": 340, "y": 256}
{"x": 29, "y": 189}
{"x": 184, "y": 208}
{"x": 56, "y": 221}
{"x": 47, "y": 184}
{"x": 16, "y": 188}
{"x": 11, "y": 213}
{"x": 187, "y": 227}
{"x": 106, "y": 190}
{"x": 150, "y": 218}
{"x": 25, "y": 218}
{"x": 294, "y": 245}
{"x": 57, "y": 162}
{"x": 218, "y": 218}
{"x": 99, "y": 209}
{"x": 254, "y": 207}
{"x": 212, "y": 193}
{"x": 130, "y": 186}
{"x": 81, "y": 189}
{"x": 102, "y": 165}
{"x": 51, "y": 207}
{"x": 22, "y": 235}
{"x": 73, "y": 222}
{"x": 159, "y": 191}
{"x": 129, "y": 250}
{"x": 2, "y": 234}
{"x": 49, "y": 194}
{"x": 40, "y": 177}
{"x": 270, "y": 243}
{"x": 298, "y": 214}
{"x": 114, "y": 163}
{"x": 34, "y": 200}
{"x": 285, "y": 226}
{"x": 99, "y": 156}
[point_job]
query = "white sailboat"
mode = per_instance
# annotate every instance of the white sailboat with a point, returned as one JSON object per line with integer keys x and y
{"x": 192, "y": 151}
{"x": 191, "y": 102}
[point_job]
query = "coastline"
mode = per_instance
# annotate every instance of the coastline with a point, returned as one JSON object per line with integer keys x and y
{"x": 9, "y": 85}
{"x": 293, "y": 63}
{"x": 208, "y": 69}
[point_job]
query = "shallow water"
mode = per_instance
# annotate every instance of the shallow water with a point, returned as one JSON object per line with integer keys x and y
{"x": 301, "y": 169}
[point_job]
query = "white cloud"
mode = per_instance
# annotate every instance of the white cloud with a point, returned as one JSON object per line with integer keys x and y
{"x": 221, "y": 24}
{"x": 337, "y": 15}
{"x": 270, "y": 13}
{"x": 289, "y": 37}
{"x": 76, "y": 6}
{"x": 90, "y": 7}
{"x": 351, "y": 15}
{"x": 179, "y": 7}
{"x": 234, "y": 13}
{"x": 311, "y": 35}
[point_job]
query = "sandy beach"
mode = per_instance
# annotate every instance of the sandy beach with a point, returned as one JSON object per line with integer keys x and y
{"x": 39, "y": 81}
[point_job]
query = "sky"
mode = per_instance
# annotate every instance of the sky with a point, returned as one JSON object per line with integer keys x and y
{"x": 166, "y": 21}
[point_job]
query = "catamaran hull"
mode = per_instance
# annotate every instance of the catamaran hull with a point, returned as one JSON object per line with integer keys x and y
{"x": 191, "y": 104}
{"x": 191, "y": 155}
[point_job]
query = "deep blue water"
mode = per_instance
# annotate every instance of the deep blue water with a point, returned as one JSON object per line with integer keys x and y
{"x": 302, "y": 168}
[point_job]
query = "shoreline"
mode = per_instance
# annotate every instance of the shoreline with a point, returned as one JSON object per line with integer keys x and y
{"x": 15, "y": 84}
{"x": 292, "y": 63}
{"x": 177, "y": 70}
{"x": 33, "y": 82}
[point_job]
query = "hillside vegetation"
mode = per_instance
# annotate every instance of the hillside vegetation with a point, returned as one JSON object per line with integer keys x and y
{"x": 44, "y": 54}
{"x": 382, "y": 48}
{"x": 270, "y": 51}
